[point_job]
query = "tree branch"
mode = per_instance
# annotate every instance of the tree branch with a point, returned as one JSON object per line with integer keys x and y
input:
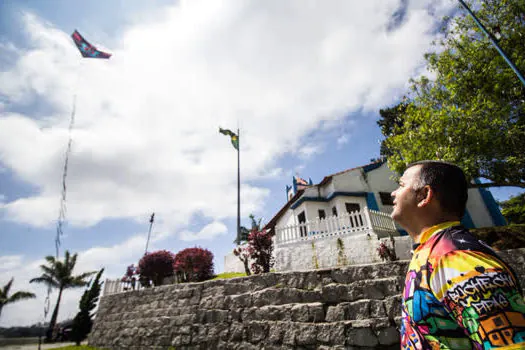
{"x": 498, "y": 184}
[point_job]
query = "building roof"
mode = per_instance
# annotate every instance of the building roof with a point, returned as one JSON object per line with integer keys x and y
{"x": 366, "y": 168}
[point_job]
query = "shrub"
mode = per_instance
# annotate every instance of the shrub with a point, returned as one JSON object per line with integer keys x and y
{"x": 156, "y": 266}
{"x": 260, "y": 247}
{"x": 83, "y": 321}
{"x": 193, "y": 265}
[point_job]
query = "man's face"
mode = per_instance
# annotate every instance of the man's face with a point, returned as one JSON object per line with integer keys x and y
{"x": 405, "y": 197}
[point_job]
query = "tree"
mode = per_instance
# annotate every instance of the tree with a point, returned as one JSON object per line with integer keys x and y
{"x": 260, "y": 247}
{"x": 513, "y": 209}
{"x": 193, "y": 264}
{"x": 5, "y": 298}
{"x": 59, "y": 275}
{"x": 243, "y": 254}
{"x": 473, "y": 112}
{"x": 156, "y": 266}
{"x": 83, "y": 321}
{"x": 391, "y": 121}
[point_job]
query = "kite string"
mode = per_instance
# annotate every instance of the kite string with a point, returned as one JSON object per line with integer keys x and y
{"x": 63, "y": 198}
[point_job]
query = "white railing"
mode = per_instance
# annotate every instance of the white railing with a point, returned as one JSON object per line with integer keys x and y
{"x": 345, "y": 224}
{"x": 117, "y": 286}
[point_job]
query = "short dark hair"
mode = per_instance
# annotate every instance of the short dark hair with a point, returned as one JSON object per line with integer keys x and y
{"x": 448, "y": 182}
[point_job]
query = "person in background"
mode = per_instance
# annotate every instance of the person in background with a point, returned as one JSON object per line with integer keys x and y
{"x": 458, "y": 293}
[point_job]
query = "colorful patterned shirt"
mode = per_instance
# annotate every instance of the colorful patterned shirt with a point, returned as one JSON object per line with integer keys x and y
{"x": 460, "y": 295}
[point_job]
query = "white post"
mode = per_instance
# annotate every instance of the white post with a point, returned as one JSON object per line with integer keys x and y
{"x": 368, "y": 220}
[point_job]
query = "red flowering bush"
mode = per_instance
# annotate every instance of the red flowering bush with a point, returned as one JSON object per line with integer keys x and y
{"x": 260, "y": 248}
{"x": 156, "y": 266}
{"x": 387, "y": 253}
{"x": 193, "y": 265}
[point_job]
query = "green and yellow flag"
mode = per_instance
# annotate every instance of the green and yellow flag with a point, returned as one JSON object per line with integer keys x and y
{"x": 233, "y": 136}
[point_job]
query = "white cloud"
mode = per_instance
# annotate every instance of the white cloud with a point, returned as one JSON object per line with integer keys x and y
{"x": 9, "y": 261}
{"x": 146, "y": 135}
{"x": 208, "y": 232}
{"x": 343, "y": 139}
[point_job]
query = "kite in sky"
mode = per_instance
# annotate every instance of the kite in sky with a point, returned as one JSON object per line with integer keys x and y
{"x": 86, "y": 49}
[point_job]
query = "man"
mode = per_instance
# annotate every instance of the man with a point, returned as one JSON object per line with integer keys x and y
{"x": 458, "y": 293}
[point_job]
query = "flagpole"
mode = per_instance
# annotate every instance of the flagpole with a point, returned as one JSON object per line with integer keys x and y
{"x": 238, "y": 187}
{"x": 149, "y": 232}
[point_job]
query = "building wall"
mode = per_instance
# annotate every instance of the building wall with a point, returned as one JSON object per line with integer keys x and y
{"x": 325, "y": 253}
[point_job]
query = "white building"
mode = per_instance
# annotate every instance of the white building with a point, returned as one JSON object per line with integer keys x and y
{"x": 341, "y": 219}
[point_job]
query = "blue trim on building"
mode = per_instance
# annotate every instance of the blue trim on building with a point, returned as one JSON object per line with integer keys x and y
{"x": 492, "y": 206}
{"x": 402, "y": 232}
{"x": 329, "y": 198}
{"x": 371, "y": 202}
{"x": 467, "y": 220}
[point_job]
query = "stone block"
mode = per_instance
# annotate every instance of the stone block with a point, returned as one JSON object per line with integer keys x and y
{"x": 269, "y": 296}
{"x": 276, "y": 332}
{"x": 335, "y": 313}
{"x": 236, "y": 332}
{"x": 300, "y": 313}
{"x": 388, "y": 336}
{"x": 306, "y": 335}
{"x": 257, "y": 331}
{"x": 241, "y": 301}
{"x": 334, "y": 293}
{"x": 393, "y": 306}
{"x": 361, "y": 337}
{"x": 357, "y": 310}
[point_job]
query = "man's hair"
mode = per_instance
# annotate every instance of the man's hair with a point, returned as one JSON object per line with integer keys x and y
{"x": 448, "y": 183}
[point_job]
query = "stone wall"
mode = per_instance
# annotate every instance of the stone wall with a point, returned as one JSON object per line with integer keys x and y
{"x": 356, "y": 307}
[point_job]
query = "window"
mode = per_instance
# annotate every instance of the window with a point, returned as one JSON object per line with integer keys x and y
{"x": 321, "y": 214}
{"x": 386, "y": 198}
{"x": 351, "y": 207}
{"x": 302, "y": 220}
{"x": 334, "y": 211}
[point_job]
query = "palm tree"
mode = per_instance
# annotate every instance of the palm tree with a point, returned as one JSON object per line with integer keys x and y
{"x": 59, "y": 274}
{"x": 6, "y": 299}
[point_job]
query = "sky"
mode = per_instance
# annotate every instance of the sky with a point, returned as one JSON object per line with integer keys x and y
{"x": 303, "y": 81}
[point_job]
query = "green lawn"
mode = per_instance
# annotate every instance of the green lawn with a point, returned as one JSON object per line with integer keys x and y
{"x": 227, "y": 275}
{"x": 73, "y": 347}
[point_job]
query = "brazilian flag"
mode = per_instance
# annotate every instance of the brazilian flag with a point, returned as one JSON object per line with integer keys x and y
{"x": 232, "y": 135}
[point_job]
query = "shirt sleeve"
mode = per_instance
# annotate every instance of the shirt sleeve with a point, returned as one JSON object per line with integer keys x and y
{"x": 481, "y": 295}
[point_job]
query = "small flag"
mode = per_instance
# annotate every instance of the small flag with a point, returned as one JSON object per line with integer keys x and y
{"x": 152, "y": 218}
{"x": 234, "y": 137}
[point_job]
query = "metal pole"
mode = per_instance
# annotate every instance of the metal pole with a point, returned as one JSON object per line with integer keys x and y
{"x": 495, "y": 43}
{"x": 238, "y": 187}
{"x": 149, "y": 232}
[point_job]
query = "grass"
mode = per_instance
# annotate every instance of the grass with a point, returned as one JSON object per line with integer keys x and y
{"x": 227, "y": 275}
{"x": 74, "y": 347}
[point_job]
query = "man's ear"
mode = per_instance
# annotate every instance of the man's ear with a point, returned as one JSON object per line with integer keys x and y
{"x": 424, "y": 196}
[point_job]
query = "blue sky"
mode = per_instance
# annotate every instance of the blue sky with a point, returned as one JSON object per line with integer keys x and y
{"x": 303, "y": 80}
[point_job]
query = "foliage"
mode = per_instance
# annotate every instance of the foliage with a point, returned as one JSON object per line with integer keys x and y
{"x": 513, "y": 209}
{"x": 155, "y": 266}
{"x": 387, "y": 253}
{"x": 228, "y": 275}
{"x": 131, "y": 276}
{"x": 473, "y": 112}
{"x": 59, "y": 274}
{"x": 194, "y": 265}
{"x": 5, "y": 298}
{"x": 502, "y": 237}
{"x": 243, "y": 253}
{"x": 83, "y": 321}
{"x": 260, "y": 247}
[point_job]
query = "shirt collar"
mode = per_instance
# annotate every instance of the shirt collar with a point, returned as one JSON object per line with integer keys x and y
{"x": 434, "y": 229}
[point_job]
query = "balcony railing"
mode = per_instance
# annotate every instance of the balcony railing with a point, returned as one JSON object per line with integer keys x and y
{"x": 356, "y": 222}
